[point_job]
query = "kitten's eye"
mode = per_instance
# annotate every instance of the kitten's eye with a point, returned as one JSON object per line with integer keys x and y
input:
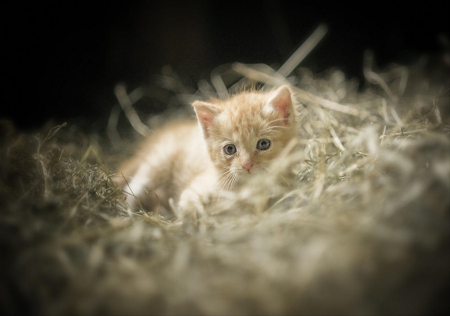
{"x": 263, "y": 144}
{"x": 229, "y": 149}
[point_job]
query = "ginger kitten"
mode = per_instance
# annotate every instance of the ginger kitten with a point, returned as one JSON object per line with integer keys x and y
{"x": 186, "y": 164}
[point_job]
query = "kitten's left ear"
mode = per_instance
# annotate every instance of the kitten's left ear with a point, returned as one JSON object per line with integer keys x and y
{"x": 206, "y": 113}
{"x": 281, "y": 102}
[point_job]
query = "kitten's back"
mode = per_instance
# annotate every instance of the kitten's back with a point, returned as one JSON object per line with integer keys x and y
{"x": 166, "y": 161}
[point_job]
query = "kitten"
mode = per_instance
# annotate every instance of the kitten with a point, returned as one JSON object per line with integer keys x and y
{"x": 185, "y": 164}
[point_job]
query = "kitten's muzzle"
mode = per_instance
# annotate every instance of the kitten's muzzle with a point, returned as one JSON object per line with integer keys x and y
{"x": 247, "y": 165}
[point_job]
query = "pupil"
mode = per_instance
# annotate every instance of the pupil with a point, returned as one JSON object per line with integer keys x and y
{"x": 263, "y": 144}
{"x": 229, "y": 149}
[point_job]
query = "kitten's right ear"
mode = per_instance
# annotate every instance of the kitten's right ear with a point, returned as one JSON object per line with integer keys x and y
{"x": 206, "y": 113}
{"x": 281, "y": 103}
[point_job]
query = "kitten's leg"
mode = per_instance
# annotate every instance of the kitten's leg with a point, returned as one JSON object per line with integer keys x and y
{"x": 143, "y": 187}
{"x": 135, "y": 185}
{"x": 196, "y": 195}
{"x": 190, "y": 201}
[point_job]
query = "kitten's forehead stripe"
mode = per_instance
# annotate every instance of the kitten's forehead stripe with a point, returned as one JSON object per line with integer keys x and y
{"x": 243, "y": 111}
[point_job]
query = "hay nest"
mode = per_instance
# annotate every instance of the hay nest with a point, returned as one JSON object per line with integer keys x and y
{"x": 365, "y": 231}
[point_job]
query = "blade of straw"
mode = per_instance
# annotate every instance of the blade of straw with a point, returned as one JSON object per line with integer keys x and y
{"x": 303, "y": 51}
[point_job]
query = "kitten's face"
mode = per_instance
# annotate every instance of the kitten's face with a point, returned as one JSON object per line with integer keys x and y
{"x": 245, "y": 133}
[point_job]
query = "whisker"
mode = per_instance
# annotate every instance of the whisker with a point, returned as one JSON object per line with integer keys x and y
{"x": 230, "y": 181}
{"x": 276, "y": 126}
{"x": 224, "y": 173}
{"x": 266, "y": 169}
{"x": 275, "y": 120}
{"x": 269, "y": 126}
{"x": 224, "y": 179}
{"x": 227, "y": 180}
{"x": 234, "y": 180}
{"x": 273, "y": 129}
{"x": 261, "y": 123}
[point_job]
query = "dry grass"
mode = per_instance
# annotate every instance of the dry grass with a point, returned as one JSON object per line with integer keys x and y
{"x": 366, "y": 230}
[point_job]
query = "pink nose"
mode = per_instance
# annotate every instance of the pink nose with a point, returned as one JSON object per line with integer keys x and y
{"x": 247, "y": 165}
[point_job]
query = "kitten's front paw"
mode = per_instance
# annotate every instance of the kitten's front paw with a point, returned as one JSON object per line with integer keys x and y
{"x": 190, "y": 203}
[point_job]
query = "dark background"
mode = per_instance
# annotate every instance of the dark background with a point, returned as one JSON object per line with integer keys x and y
{"x": 63, "y": 59}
